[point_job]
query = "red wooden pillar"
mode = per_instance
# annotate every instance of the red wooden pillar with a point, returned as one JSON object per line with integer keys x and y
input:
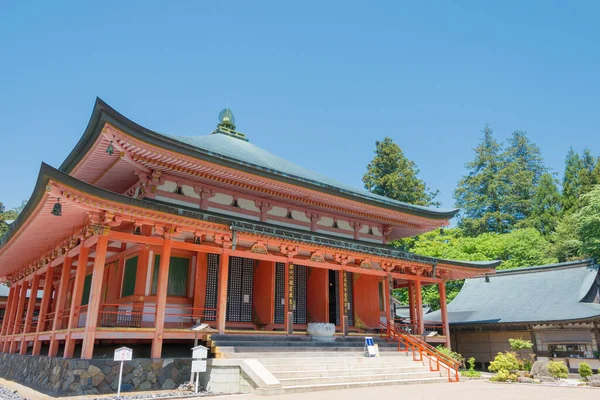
{"x": 37, "y": 344}
{"x": 411, "y": 305}
{"x": 59, "y": 303}
{"x": 11, "y": 317}
{"x": 30, "y": 308}
{"x": 223, "y": 283}
{"x": 419, "y": 309}
{"x": 77, "y": 294}
{"x": 444, "y": 312}
{"x": 141, "y": 274}
{"x": 200, "y": 286}
{"x": 161, "y": 299}
{"x": 389, "y": 287}
{"x": 19, "y": 316}
{"x": 91, "y": 321}
{"x": 343, "y": 302}
{"x": 9, "y": 302}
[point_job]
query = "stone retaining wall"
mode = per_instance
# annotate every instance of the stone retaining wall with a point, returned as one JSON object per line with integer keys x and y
{"x": 61, "y": 376}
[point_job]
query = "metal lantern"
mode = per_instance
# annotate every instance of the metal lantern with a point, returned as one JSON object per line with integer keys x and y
{"x": 110, "y": 149}
{"x": 57, "y": 209}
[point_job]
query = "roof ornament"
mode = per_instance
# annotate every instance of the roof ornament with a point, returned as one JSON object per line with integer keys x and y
{"x": 57, "y": 209}
{"x": 226, "y": 125}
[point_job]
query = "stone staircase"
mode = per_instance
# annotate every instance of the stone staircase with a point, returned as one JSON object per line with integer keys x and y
{"x": 301, "y": 365}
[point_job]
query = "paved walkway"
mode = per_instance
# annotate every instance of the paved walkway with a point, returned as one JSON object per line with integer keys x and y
{"x": 475, "y": 389}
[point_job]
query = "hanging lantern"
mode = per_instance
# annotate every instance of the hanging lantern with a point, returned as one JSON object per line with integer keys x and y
{"x": 57, "y": 209}
{"x": 110, "y": 149}
{"x": 234, "y": 203}
{"x": 137, "y": 230}
{"x": 197, "y": 240}
{"x": 289, "y": 215}
{"x": 335, "y": 224}
{"x": 370, "y": 231}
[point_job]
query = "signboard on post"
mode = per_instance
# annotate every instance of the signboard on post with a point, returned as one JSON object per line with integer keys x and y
{"x": 199, "y": 366}
{"x": 370, "y": 347}
{"x": 122, "y": 354}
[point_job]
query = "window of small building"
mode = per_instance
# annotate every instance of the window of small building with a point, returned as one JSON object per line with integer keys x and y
{"x": 178, "y": 276}
{"x": 129, "y": 276}
{"x": 87, "y": 284}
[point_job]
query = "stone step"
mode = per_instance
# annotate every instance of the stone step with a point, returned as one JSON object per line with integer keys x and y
{"x": 327, "y": 351}
{"x": 349, "y": 385}
{"x": 312, "y": 366}
{"x": 305, "y": 356}
{"x": 340, "y": 379}
{"x": 286, "y": 338}
{"x": 320, "y": 345}
{"x": 280, "y": 372}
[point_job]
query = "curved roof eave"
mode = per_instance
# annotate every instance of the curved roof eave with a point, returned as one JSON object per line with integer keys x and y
{"x": 104, "y": 113}
{"x": 48, "y": 173}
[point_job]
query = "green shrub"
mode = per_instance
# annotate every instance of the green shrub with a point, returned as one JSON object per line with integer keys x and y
{"x": 520, "y": 344}
{"x": 448, "y": 351}
{"x": 504, "y": 362}
{"x": 504, "y": 376}
{"x": 471, "y": 373}
{"x": 585, "y": 370}
{"x": 558, "y": 370}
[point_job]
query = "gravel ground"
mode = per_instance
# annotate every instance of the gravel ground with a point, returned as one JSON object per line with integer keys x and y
{"x": 7, "y": 394}
{"x": 155, "y": 395}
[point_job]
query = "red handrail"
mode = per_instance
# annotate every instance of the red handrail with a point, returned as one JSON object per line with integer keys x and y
{"x": 422, "y": 349}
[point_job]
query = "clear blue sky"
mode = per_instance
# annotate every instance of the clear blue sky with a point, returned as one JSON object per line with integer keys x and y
{"x": 314, "y": 82}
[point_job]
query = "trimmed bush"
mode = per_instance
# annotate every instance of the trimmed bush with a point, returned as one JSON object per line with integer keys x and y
{"x": 558, "y": 370}
{"x": 504, "y": 365}
{"x": 520, "y": 344}
{"x": 585, "y": 370}
{"x": 448, "y": 351}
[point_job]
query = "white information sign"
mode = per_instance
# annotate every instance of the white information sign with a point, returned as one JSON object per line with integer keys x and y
{"x": 123, "y": 354}
{"x": 370, "y": 346}
{"x": 198, "y": 365}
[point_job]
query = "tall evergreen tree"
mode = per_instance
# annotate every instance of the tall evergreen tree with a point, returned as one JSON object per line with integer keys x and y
{"x": 571, "y": 182}
{"x": 392, "y": 175}
{"x": 480, "y": 194}
{"x": 523, "y": 169}
{"x": 588, "y": 175}
{"x": 545, "y": 206}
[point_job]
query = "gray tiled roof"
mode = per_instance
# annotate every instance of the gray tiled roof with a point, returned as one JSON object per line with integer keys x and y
{"x": 248, "y": 154}
{"x": 557, "y": 292}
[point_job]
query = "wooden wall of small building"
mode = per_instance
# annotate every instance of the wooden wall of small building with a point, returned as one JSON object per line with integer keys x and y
{"x": 484, "y": 346}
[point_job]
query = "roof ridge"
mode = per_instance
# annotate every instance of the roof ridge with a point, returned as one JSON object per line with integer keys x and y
{"x": 541, "y": 268}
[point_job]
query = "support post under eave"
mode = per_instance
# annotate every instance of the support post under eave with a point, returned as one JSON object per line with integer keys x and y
{"x": 161, "y": 298}
{"x": 343, "y": 302}
{"x": 37, "y": 344}
{"x": 78, "y": 284}
{"x": 223, "y": 282}
{"x": 30, "y": 308}
{"x": 91, "y": 321}
{"x": 444, "y": 312}
{"x": 9, "y": 302}
{"x": 389, "y": 285}
{"x": 11, "y": 317}
{"x": 419, "y": 309}
{"x": 19, "y": 317}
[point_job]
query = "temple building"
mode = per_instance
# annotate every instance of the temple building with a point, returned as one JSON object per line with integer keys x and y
{"x": 556, "y": 307}
{"x": 140, "y": 235}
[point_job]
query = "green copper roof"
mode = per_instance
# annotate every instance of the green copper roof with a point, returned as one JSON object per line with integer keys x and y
{"x": 230, "y": 151}
{"x": 553, "y": 293}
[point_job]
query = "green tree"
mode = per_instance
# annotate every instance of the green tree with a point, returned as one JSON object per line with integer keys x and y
{"x": 392, "y": 175}
{"x": 518, "y": 248}
{"x": 587, "y": 223}
{"x": 480, "y": 194}
{"x": 565, "y": 240}
{"x": 545, "y": 206}
{"x": 521, "y": 174}
{"x": 9, "y": 215}
{"x": 571, "y": 181}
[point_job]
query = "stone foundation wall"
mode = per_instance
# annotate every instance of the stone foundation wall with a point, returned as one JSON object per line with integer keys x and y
{"x": 61, "y": 376}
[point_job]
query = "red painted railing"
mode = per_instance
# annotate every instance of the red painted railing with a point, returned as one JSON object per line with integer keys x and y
{"x": 420, "y": 350}
{"x": 132, "y": 315}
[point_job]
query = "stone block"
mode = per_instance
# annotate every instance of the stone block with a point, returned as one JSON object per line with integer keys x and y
{"x": 104, "y": 388}
{"x": 98, "y": 379}
{"x": 145, "y": 386}
{"x": 93, "y": 370}
{"x": 169, "y": 384}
